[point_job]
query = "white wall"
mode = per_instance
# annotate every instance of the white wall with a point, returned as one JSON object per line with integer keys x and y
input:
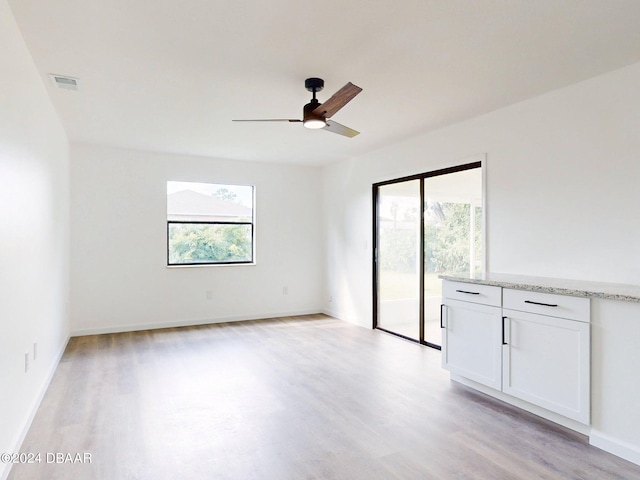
{"x": 562, "y": 189}
{"x": 119, "y": 278}
{"x": 34, "y": 228}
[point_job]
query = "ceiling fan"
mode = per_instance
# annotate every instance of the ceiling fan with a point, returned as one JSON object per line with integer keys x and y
{"x": 316, "y": 115}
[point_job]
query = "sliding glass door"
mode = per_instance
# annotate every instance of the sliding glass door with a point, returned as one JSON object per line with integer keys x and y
{"x": 399, "y": 273}
{"x": 452, "y": 237}
{"x": 424, "y": 226}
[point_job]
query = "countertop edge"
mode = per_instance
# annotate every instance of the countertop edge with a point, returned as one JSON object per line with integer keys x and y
{"x": 538, "y": 285}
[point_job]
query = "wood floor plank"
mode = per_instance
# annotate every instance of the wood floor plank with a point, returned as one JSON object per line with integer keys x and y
{"x": 294, "y": 398}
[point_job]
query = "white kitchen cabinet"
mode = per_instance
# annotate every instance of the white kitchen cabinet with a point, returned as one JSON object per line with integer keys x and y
{"x": 531, "y": 346}
{"x": 546, "y": 356}
{"x": 471, "y": 332}
{"x": 555, "y": 359}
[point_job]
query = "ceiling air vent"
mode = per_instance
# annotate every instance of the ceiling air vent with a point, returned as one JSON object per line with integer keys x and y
{"x": 61, "y": 81}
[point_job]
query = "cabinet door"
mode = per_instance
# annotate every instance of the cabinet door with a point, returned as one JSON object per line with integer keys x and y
{"x": 471, "y": 341}
{"x": 546, "y": 362}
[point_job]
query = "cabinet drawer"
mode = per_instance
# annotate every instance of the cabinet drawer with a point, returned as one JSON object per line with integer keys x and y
{"x": 562, "y": 306}
{"x": 472, "y": 292}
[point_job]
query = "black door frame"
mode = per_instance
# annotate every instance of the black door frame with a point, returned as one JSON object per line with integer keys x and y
{"x": 374, "y": 260}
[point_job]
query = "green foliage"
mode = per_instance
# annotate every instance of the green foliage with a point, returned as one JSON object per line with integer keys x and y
{"x": 450, "y": 251}
{"x": 446, "y": 241}
{"x": 449, "y": 239}
{"x": 209, "y": 243}
{"x": 398, "y": 250}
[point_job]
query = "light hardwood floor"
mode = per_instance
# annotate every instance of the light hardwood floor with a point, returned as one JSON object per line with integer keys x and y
{"x": 293, "y": 398}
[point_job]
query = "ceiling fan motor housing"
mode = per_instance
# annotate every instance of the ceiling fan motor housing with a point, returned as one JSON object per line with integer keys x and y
{"x": 310, "y": 119}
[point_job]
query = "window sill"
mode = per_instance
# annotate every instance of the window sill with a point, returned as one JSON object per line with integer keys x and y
{"x": 253, "y": 264}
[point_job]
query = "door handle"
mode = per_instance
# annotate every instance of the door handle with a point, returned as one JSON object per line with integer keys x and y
{"x": 441, "y": 308}
{"x": 503, "y": 339}
{"x": 466, "y": 291}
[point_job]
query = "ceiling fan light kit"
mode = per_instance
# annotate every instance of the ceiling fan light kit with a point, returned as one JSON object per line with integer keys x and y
{"x": 314, "y": 123}
{"x": 315, "y": 114}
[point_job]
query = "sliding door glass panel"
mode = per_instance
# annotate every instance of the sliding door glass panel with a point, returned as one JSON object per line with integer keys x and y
{"x": 398, "y": 257}
{"x": 452, "y": 237}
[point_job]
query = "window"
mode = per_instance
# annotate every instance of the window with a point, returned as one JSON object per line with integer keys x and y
{"x": 209, "y": 223}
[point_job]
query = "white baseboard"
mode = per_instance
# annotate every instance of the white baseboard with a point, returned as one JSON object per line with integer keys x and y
{"x": 619, "y": 448}
{"x": 330, "y": 313}
{"x": 188, "y": 323}
{"x": 33, "y": 409}
{"x": 345, "y": 318}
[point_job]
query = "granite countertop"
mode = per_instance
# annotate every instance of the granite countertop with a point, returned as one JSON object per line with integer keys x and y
{"x": 576, "y": 288}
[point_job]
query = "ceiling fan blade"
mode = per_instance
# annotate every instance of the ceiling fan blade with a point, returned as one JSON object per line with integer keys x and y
{"x": 269, "y": 120}
{"x": 335, "y": 127}
{"x": 337, "y": 101}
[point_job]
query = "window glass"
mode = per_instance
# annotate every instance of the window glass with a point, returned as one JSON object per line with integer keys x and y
{"x": 209, "y": 223}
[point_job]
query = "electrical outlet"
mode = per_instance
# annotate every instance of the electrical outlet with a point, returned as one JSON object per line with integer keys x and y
{"x": 35, "y": 350}
{"x": 209, "y": 295}
{"x": 285, "y": 290}
{"x": 330, "y": 299}
{"x": 26, "y": 362}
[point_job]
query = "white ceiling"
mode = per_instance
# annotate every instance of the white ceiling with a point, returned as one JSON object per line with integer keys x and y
{"x": 170, "y": 76}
